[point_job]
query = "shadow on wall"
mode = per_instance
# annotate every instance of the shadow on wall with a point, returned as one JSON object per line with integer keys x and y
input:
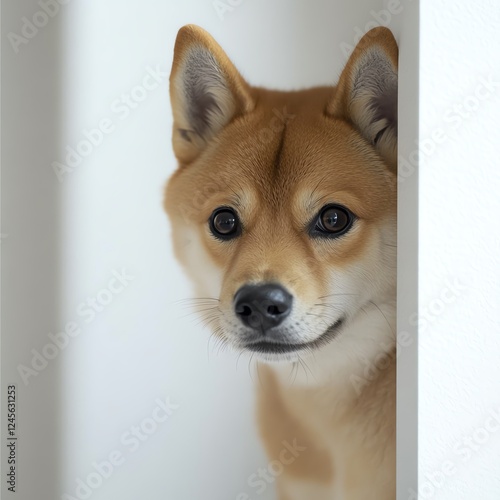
{"x": 31, "y": 107}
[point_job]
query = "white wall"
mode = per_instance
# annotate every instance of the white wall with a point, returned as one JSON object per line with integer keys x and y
{"x": 459, "y": 251}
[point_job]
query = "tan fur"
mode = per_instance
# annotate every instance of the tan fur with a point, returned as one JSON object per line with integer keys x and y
{"x": 278, "y": 424}
{"x": 277, "y": 158}
{"x": 358, "y": 427}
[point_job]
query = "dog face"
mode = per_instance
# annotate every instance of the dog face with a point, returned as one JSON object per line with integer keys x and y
{"x": 283, "y": 208}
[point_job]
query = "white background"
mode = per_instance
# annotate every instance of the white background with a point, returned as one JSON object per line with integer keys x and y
{"x": 459, "y": 242}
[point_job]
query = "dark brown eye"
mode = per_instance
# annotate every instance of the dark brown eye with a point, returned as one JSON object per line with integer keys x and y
{"x": 224, "y": 223}
{"x": 333, "y": 220}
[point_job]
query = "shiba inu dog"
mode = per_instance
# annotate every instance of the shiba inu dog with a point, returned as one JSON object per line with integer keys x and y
{"x": 283, "y": 213}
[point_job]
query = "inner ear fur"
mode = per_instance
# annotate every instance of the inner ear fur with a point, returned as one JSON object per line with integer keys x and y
{"x": 206, "y": 91}
{"x": 367, "y": 92}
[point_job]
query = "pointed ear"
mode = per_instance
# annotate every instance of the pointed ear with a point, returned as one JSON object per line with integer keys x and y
{"x": 206, "y": 92}
{"x": 367, "y": 92}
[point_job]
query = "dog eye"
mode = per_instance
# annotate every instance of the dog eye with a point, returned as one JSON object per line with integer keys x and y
{"x": 333, "y": 220}
{"x": 224, "y": 223}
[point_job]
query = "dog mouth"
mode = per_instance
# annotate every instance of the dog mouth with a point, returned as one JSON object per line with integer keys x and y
{"x": 269, "y": 347}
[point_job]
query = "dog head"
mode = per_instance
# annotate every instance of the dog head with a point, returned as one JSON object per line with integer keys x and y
{"x": 283, "y": 206}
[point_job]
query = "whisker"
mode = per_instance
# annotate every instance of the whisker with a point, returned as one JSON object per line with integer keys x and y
{"x": 193, "y": 309}
{"x": 206, "y": 312}
{"x": 337, "y": 295}
{"x": 249, "y": 367}
{"x": 206, "y": 321}
{"x": 330, "y": 309}
{"x": 199, "y": 312}
{"x": 364, "y": 310}
{"x": 238, "y": 358}
{"x": 385, "y": 317}
{"x": 197, "y": 298}
{"x": 327, "y": 304}
{"x": 323, "y": 318}
{"x": 307, "y": 366}
{"x": 258, "y": 374}
{"x": 292, "y": 368}
{"x": 208, "y": 348}
{"x": 303, "y": 367}
{"x": 221, "y": 346}
{"x": 295, "y": 370}
{"x": 194, "y": 301}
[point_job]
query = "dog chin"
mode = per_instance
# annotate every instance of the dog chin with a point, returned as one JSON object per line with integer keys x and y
{"x": 279, "y": 352}
{"x": 275, "y": 358}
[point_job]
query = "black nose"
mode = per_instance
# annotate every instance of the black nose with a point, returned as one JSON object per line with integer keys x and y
{"x": 262, "y": 306}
